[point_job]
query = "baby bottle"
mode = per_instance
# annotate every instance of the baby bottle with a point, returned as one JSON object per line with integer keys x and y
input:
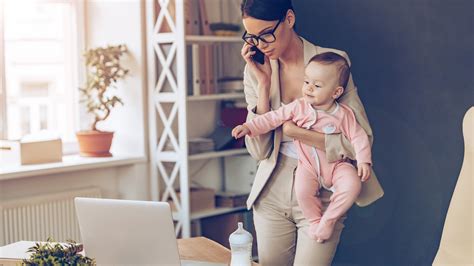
{"x": 241, "y": 247}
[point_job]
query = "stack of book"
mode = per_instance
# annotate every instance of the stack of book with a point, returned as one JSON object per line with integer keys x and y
{"x": 195, "y": 145}
{"x": 200, "y": 145}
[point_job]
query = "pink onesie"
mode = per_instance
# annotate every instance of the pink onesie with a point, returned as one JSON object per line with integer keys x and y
{"x": 314, "y": 171}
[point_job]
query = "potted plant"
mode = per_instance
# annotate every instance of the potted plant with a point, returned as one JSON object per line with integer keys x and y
{"x": 50, "y": 253}
{"x": 103, "y": 72}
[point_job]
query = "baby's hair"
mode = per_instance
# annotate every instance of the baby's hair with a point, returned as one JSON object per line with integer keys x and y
{"x": 329, "y": 58}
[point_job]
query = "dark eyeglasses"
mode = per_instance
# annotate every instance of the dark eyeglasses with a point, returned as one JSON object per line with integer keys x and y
{"x": 266, "y": 37}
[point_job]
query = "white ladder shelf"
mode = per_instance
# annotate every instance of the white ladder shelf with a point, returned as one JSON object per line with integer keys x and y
{"x": 175, "y": 40}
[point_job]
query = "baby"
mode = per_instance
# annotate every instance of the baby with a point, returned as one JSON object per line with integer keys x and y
{"x": 326, "y": 76}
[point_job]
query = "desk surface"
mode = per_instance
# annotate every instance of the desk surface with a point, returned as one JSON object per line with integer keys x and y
{"x": 197, "y": 248}
{"x": 204, "y": 249}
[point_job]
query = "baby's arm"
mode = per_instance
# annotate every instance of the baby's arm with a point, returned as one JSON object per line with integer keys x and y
{"x": 264, "y": 123}
{"x": 360, "y": 141}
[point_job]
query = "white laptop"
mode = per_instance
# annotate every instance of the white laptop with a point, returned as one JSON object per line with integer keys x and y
{"x": 125, "y": 232}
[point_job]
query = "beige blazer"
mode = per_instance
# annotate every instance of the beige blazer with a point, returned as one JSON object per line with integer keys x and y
{"x": 457, "y": 241}
{"x": 265, "y": 148}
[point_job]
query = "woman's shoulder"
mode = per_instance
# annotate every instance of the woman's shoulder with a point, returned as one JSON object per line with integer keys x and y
{"x": 345, "y": 111}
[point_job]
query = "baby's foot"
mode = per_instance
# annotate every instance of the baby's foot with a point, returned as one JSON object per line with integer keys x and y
{"x": 324, "y": 231}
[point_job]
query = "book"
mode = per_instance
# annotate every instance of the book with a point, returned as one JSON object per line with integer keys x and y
{"x": 209, "y": 69}
{"x": 203, "y": 62}
{"x": 196, "y": 73}
{"x": 204, "y": 21}
{"x": 191, "y": 15}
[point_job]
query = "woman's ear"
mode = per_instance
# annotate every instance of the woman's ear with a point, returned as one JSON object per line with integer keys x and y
{"x": 290, "y": 18}
{"x": 338, "y": 92}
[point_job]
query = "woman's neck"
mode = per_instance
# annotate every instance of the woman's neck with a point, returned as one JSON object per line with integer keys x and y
{"x": 294, "y": 51}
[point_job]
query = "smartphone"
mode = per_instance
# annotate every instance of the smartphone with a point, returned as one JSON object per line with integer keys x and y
{"x": 258, "y": 57}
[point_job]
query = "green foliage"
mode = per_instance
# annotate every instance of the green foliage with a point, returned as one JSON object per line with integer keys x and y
{"x": 103, "y": 72}
{"x": 56, "y": 254}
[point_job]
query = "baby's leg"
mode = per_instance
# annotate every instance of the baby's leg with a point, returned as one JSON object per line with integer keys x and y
{"x": 306, "y": 190}
{"x": 347, "y": 186}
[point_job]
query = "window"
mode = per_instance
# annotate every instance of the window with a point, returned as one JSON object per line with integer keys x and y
{"x": 39, "y": 67}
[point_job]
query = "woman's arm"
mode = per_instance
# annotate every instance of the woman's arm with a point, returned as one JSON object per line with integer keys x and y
{"x": 337, "y": 145}
{"x": 258, "y": 102}
{"x": 308, "y": 137}
{"x": 340, "y": 146}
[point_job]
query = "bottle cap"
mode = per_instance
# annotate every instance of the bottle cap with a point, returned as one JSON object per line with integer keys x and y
{"x": 240, "y": 236}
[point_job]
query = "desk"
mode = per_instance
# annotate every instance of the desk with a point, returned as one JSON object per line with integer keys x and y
{"x": 204, "y": 249}
{"x": 196, "y": 248}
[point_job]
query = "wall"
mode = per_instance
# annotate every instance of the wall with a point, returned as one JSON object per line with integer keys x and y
{"x": 113, "y": 23}
{"x": 413, "y": 65}
{"x": 127, "y": 182}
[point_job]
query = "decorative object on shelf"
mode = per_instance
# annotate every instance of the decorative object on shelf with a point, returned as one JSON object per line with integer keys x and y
{"x": 51, "y": 253}
{"x": 232, "y": 115}
{"x": 222, "y": 141}
{"x": 24, "y": 151}
{"x": 241, "y": 247}
{"x": 225, "y": 29}
{"x": 103, "y": 72}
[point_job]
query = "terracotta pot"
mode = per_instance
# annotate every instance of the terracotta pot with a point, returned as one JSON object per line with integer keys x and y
{"x": 95, "y": 143}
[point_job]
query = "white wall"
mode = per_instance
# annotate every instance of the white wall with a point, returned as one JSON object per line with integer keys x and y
{"x": 126, "y": 182}
{"x": 120, "y": 22}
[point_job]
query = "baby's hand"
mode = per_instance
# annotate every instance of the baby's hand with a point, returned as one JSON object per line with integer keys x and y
{"x": 363, "y": 170}
{"x": 240, "y": 131}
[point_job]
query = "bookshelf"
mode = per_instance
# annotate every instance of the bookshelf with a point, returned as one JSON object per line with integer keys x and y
{"x": 167, "y": 97}
{"x": 172, "y": 100}
{"x": 212, "y": 39}
{"x": 209, "y": 213}
{"x": 216, "y": 97}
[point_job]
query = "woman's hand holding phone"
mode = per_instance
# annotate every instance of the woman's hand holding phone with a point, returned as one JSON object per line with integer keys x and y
{"x": 262, "y": 72}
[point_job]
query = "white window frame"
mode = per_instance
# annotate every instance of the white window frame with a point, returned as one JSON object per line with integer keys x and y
{"x": 3, "y": 93}
{"x": 70, "y": 147}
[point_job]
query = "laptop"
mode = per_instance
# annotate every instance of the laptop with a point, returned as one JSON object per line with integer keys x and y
{"x": 126, "y": 232}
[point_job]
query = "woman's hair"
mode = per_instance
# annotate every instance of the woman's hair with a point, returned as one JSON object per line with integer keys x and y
{"x": 330, "y": 58}
{"x": 268, "y": 10}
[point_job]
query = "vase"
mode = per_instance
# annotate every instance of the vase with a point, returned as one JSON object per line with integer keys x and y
{"x": 94, "y": 143}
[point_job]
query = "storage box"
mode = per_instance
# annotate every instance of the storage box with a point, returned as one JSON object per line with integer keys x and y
{"x": 231, "y": 199}
{"x": 239, "y": 173}
{"x": 16, "y": 152}
{"x": 200, "y": 199}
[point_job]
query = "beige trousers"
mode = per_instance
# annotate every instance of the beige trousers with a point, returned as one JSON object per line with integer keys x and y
{"x": 281, "y": 227}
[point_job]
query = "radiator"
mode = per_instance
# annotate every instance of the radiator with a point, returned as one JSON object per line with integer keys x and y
{"x": 39, "y": 217}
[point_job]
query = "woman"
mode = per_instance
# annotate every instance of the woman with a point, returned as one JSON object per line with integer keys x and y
{"x": 279, "y": 222}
